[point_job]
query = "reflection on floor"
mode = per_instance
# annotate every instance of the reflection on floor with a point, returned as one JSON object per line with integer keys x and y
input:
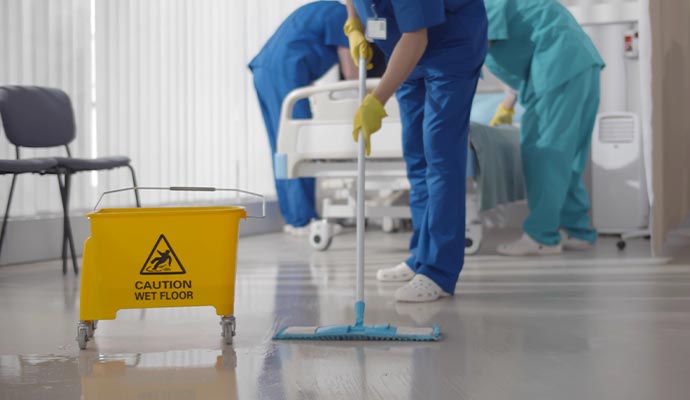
{"x": 592, "y": 325}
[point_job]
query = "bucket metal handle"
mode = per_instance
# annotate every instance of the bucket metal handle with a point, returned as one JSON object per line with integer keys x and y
{"x": 190, "y": 189}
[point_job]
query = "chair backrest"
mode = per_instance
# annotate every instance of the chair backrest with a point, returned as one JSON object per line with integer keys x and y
{"x": 36, "y": 116}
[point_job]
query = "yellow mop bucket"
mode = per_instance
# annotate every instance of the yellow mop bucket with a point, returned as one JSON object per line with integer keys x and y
{"x": 160, "y": 257}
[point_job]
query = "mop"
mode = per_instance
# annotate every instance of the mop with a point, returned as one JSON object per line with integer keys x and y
{"x": 360, "y": 331}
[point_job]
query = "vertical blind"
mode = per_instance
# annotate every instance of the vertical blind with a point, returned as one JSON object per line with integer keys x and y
{"x": 164, "y": 82}
{"x": 175, "y": 94}
{"x": 46, "y": 42}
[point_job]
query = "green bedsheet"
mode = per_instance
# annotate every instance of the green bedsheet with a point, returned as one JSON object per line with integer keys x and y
{"x": 500, "y": 167}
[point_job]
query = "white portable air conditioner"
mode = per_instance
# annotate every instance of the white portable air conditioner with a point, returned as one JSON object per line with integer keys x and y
{"x": 619, "y": 191}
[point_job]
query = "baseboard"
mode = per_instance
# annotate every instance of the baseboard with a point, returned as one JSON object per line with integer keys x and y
{"x": 31, "y": 240}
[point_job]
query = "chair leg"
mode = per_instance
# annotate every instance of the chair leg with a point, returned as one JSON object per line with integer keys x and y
{"x": 67, "y": 238}
{"x": 68, "y": 224}
{"x": 64, "y": 224}
{"x": 7, "y": 212}
{"x": 134, "y": 183}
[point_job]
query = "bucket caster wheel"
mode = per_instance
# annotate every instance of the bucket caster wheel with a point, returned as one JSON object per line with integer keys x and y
{"x": 320, "y": 236}
{"x": 91, "y": 328}
{"x": 228, "y": 328}
{"x": 83, "y": 334}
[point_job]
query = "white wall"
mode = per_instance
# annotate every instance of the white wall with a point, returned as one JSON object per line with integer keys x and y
{"x": 606, "y": 22}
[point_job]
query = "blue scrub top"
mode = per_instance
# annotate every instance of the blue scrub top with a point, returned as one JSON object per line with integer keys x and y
{"x": 449, "y": 24}
{"x": 536, "y": 45}
{"x": 307, "y": 40}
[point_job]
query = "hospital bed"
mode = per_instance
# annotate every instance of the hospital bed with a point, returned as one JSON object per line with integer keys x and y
{"x": 322, "y": 147}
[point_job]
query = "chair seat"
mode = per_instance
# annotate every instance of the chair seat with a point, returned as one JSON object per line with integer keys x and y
{"x": 27, "y": 165}
{"x": 92, "y": 164}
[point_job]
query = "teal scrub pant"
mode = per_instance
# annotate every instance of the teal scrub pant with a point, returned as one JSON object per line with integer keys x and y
{"x": 555, "y": 140}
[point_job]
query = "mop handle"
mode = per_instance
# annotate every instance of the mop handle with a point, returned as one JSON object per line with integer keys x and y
{"x": 360, "y": 201}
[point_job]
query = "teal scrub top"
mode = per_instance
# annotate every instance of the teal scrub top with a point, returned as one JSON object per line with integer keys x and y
{"x": 536, "y": 45}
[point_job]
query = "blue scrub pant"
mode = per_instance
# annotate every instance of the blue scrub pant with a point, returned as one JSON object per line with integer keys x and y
{"x": 435, "y": 111}
{"x": 295, "y": 196}
{"x": 555, "y": 139}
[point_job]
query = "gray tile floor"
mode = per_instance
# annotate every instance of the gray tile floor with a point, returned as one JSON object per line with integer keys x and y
{"x": 592, "y": 325}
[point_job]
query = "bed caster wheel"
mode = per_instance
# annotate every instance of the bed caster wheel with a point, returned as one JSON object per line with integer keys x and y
{"x": 473, "y": 238}
{"x": 228, "y": 329}
{"x": 389, "y": 225}
{"x": 320, "y": 236}
{"x": 319, "y": 242}
{"x": 82, "y": 335}
{"x": 471, "y": 246}
{"x": 621, "y": 245}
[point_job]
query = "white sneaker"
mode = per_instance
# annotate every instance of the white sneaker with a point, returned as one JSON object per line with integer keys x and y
{"x": 400, "y": 273}
{"x": 573, "y": 243}
{"x": 420, "y": 289}
{"x": 526, "y": 246}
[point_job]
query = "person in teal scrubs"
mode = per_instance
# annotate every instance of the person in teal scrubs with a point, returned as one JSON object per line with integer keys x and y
{"x": 538, "y": 48}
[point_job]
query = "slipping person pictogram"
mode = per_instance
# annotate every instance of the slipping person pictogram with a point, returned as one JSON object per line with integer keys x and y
{"x": 162, "y": 260}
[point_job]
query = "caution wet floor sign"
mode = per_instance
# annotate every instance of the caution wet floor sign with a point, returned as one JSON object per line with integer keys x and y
{"x": 163, "y": 257}
{"x": 162, "y": 260}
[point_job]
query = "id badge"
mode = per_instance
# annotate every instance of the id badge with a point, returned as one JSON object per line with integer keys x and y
{"x": 376, "y": 29}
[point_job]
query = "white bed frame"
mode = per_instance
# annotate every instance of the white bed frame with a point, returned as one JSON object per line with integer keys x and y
{"x": 322, "y": 147}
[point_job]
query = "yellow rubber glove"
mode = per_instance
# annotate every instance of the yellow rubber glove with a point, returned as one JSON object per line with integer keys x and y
{"x": 354, "y": 30}
{"x": 368, "y": 119}
{"x": 503, "y": 116}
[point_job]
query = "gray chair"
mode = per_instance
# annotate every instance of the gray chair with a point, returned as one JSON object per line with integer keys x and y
{"x": 41, "y": 117}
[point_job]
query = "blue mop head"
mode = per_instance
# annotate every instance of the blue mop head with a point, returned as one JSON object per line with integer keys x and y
{"x": 360, "y": 332}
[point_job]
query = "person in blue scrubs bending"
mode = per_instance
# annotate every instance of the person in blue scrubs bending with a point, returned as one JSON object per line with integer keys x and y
{"x": 538, "y": 48}
{"x": 435, "y": 50}
{"x": 305, "y": 46}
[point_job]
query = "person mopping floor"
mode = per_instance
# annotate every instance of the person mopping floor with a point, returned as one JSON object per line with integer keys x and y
{"x": 435, "y": 51}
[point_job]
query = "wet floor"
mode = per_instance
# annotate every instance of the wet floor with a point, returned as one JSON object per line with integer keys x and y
{"x": 592, "y": 325}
